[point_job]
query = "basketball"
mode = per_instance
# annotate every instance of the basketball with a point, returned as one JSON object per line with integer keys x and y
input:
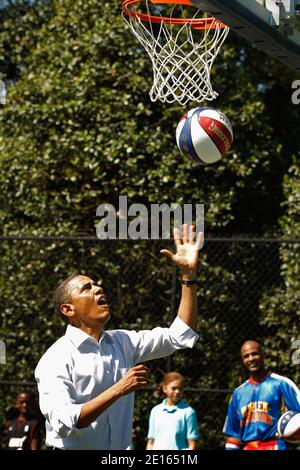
{"x": 288, "y": 427}
{"x": 204, "y": 135}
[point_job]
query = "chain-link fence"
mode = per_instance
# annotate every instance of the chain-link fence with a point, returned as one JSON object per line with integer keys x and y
{"x": 235, "y": 274}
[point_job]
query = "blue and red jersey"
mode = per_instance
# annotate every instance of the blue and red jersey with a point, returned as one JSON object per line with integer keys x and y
{"x": 255, "y": 408}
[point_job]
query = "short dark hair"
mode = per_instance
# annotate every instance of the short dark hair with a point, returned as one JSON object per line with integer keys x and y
{"x": 29, "y": 393}
{"x": 252, "y": 341}
{"x": 62, "y": 295}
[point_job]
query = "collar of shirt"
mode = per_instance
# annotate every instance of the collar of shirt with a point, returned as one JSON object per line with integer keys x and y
{"x": 170, "y": 409}
{"x": 77, "y": 336}
{"x": 257, "y": 382}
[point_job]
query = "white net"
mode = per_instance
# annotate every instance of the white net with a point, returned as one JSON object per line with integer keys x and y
{"x": 182, "y": 56}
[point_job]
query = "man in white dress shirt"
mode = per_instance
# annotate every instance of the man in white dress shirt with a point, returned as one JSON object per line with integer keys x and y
{"x": 86, "y": 378}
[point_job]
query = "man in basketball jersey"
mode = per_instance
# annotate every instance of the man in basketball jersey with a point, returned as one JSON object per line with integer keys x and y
{"x": 257, "y": 404}
{"x": 23, "y": 431}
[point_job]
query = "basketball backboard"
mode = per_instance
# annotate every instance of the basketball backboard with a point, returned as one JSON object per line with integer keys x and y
{"x": 272, "y": 25}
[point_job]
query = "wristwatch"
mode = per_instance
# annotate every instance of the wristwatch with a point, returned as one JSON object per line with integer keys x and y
{"x": 188, "y": 282}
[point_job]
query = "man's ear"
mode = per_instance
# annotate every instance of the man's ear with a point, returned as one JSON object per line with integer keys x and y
{"x": 67, "y": 310}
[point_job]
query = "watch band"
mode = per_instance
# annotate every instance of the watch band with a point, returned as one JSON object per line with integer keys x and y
{"x": 188, "y": 282}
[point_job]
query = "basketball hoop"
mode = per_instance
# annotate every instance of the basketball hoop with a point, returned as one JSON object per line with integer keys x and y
{"x": 182, "y": 50}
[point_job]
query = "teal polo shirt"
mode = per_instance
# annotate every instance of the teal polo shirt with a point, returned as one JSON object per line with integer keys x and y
{"x": 172, "y": 426}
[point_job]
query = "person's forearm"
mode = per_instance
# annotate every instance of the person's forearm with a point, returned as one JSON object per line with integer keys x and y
{"x": 188, "y": 308}
{"x": 149, "y": 445}
{"x": 192, "y": 445}
{"x": 95, "y": 407}
{"x": 135, "y": 378}
{"x": 35, "y": 444}
{"x": 232, "y": 443}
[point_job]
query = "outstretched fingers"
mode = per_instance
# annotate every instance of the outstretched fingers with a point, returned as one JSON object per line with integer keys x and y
{"x": 167, "y": 253}
{"x": 199, "y": 240}
{"x": 192, "y": 233}
{"x": 182, "y": 242}
{"x": 185, "y": 233}
{"x": 177, "y": 237}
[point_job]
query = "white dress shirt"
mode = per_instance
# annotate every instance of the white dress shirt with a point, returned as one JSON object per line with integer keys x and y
{"x": 77, "y": 368}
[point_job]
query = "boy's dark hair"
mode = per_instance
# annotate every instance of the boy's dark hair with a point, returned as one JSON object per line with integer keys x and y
{"x": 30, "y": 394}
{"x": 62, "y": 295}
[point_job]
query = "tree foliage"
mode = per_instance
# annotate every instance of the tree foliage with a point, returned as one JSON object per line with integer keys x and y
{"x": 280, "y": 307}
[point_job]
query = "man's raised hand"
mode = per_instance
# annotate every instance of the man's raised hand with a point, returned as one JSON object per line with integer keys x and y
{"x": 187, "y": 249}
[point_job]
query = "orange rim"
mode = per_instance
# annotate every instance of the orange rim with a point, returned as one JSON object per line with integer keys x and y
{"x": 197, "y": 23}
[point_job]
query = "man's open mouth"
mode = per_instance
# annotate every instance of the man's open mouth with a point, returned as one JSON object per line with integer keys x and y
{"x": 102, "y": 300}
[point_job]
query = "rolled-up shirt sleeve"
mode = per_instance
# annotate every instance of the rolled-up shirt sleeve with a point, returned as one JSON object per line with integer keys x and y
{"x": 183, "y": 336}
{"x": 160, "y": 342}
{"x": 57, "y": 398}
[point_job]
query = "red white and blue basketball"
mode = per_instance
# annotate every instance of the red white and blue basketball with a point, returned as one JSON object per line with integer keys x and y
{"x": 204, "y": 135}
{"x": 288, "y": 427}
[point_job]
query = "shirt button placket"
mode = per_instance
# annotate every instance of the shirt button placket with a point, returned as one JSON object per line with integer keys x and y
{"x": 106, "y": 365}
